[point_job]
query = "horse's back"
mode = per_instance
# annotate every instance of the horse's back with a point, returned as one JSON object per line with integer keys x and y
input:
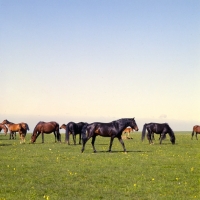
{"x": 47, "y": 127}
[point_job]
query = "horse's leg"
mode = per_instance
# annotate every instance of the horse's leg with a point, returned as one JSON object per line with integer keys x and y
{"x": 42, "y": 136}
{"x": 152, "y": 134}
{"x": 149, "y": 137}
{"x": 122, "y": 143}
{"x": 80, "y": 138}
{"x": 10, "y": 134}
{"x": 162, "y": 136}
{"x": 37, "y": 134}
{"x": 74, "y": 137}
{"x": 20, "y": 136}
{"x": 111, "y": 142}
{"x": 93, "y": 140}
{"x": 192, "y": 135}
{"x": 196, "y": 135}
{"x": 84, "y": 142}
{"x": 24, "y": 135}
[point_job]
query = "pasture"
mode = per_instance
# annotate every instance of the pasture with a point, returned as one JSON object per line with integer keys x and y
{"x": 55, "y": 171}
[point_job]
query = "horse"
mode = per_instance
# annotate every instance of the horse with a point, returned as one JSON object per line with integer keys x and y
{"x": 2, "y": 126}
{"x": 74, "y": 129}
{"x": 196, "y": 130}
{"x": 46, "y": 127}
{"x": 126, "y": 133}
{"x": 161, "y": 129}
{"x": 13, "y": 128}
{"x": 112, "y": 129}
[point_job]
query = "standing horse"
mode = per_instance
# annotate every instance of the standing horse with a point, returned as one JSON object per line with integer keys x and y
{"x": 196, "y": 130}
{"x": 113, "y": 130}
{"x": 74, "y": 129}
{"x": 2, "y": 126}
{"x": 126, "y": 133}
{"x": 161, "y": 129}
{"x": 46, "y": 127}
{"x": 13, "y": 128}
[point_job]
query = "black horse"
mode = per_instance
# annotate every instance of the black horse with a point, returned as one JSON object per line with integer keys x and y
{"x": 74, "y": 129}
{"x": 113, "y": 130}
{"x": 161, "y": 129}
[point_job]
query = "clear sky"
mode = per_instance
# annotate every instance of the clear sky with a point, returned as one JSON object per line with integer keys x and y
{"x": 100, "y": 60}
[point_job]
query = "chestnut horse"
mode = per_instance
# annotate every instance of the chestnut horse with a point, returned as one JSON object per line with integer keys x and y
{"x": 2, "y": 126}
{"x": 20, "y": 127}
{"x": 46, "y": 127}
{"x": 196, "y": 130}
{"x": 74, "y": 129}
{"x": 113, "y": 130}
{"x": 126, "y": 133}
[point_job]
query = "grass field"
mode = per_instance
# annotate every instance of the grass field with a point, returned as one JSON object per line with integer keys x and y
{"x": 59, "y": 171}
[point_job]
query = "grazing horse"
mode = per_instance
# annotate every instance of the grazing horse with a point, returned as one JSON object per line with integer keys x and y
{"x": 126, "y": 133}
{"x": 196, "y": 130}
{"x": 74, "y": 129}
{"x": 2, "y": 126}
{"x": 13, "y": 128}
{"x": 113, "y": 130}
{"x": 161, "y": 129}
{"x": 46, "y": 127}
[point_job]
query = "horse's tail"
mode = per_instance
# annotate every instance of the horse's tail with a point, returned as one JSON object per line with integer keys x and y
{"x": 144, "y": 131}
{"x": 27, "y": 127}
{"x": 67, "y": 134}
{"x": 193, "y": 130}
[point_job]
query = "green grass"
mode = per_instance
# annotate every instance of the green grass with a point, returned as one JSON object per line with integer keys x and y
{"x": 59, "y": 171}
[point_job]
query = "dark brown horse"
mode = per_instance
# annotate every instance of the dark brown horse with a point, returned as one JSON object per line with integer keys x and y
{"x": 113, "y": 130}
{"x": 196, "y": 130}
{"x": 46, "y": 127}
{"x": 2, "y": 126}
{"x": 21, "y": 128}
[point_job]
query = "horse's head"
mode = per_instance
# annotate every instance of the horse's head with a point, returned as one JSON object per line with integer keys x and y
{"x": 133, "y": 124}
{"x": 5, "y": 121}
{"x": 172, "y": 138}
{"x": 63, "y": 126}
{"x": 33, "y": 138}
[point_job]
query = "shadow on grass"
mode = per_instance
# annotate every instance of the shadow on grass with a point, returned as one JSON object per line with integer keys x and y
{"x": 2, "y": 145}
{"x": 136, "y": 151}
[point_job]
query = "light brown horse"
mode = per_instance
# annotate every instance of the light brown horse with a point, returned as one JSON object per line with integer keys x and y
{"x": 21, "y": 128}
{"x": 2, "y": 126}
{"x": 63, "y": 126}
{"x": 126, "y": 133}
{"x": 196, "y": 130}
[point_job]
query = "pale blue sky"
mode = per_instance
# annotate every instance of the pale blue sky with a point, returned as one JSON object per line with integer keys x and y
{"x": 100, "y": 60}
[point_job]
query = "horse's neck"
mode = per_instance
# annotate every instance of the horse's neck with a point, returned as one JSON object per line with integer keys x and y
{"x": 122, "y": 126}
{"x": 10, "y": 123}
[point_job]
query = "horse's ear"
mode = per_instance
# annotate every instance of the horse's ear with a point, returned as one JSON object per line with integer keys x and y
{"x": 133, "y": 117}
